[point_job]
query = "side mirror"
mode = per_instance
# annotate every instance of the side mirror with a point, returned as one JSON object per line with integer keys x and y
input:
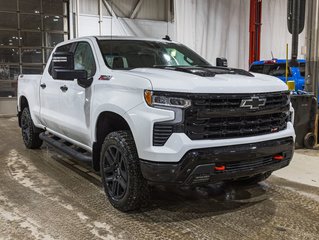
{"x": 85, "y": 82}
{"x": 63, "y": 60}
{"x": 66, "y": 74}
{"x": 221, "y": 62}
{"x": 63, "y": 69}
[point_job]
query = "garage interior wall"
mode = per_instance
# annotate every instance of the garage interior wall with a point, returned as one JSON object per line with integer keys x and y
{"x": 274, "y": 31}
{"x": 143, "y": 18}
{"x": 215, "y": 28}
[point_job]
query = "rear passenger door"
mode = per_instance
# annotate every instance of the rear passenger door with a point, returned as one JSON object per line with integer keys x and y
{"x": 76, "y": 100}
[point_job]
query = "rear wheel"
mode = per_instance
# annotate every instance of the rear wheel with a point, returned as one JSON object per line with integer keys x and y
{"x": 30, "y": 133}
{"x": 122, "y": 179}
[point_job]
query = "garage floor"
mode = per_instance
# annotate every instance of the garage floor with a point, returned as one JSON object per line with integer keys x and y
{"x": 46, "y": 196}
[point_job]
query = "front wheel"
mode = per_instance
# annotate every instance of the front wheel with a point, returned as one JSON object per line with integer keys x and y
{"x": 122, "y": 179}
{"x": 30, "y": 133}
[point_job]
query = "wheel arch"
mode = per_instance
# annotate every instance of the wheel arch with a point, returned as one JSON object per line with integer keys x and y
{"x": 107, "y": 122}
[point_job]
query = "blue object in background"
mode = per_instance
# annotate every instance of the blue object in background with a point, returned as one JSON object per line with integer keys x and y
{"x": 277, "y": 68}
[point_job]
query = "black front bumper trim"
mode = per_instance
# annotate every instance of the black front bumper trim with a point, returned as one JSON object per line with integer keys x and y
{"x": 198, "y": 165}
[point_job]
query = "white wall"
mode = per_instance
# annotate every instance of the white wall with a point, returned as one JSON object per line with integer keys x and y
{"x": 274, "y": 31}
{"x": 89, "y": 21}
{"x": 215, "y": 28}
{"x": 89, "y": 25}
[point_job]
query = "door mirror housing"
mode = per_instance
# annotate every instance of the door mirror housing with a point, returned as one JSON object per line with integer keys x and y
{"x": 65, "y": 74}
{"x": 63, "y": 69}
{"x": 85, "y": 82}
{"x": 63, "y": 60}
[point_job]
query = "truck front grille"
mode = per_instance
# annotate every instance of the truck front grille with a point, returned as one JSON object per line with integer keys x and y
{"x": 221, "y": 116}
{"x": 234, "y": 127}
{"x": 232, "y": 101}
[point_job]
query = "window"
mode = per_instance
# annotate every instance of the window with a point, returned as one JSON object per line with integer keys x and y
{"x": 63, "y": 48}
{"x": 29, "y": 30}
{"x": 257, "y": 68}
{"x": 30, "y": 21}
{"x": 302, "y": 68}
{"x": 30, "y": 6}
{"x": 129, "y": 54}
{"x": 276, "y": 70}
{"x": 9, "y": 38}
{"x": 8, "y": 5}
{"x": 8, "y": 20}
{"x": 84, "y": 59}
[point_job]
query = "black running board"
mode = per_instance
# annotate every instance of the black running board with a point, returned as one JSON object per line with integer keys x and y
{"x": 66, "y": 147}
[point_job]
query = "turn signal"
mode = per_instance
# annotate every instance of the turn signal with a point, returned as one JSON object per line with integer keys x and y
{"x": 148, "y": 97}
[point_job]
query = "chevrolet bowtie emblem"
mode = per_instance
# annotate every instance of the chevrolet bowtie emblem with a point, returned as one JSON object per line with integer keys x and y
{"x": 253, "y": 103}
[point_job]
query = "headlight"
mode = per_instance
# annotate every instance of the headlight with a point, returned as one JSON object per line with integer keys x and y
{"x": 155, "y": 99}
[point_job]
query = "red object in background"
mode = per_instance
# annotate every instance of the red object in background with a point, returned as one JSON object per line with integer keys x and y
{"x": 254, "y": 30}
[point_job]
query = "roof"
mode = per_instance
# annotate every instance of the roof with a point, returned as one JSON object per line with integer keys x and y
{"x": 130, "y": 38}
{"x": 116, "y": 38}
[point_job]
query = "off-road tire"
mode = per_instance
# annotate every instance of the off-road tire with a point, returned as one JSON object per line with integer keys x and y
{"x": 30, "y": 133}
{"x": 136, "y": 194}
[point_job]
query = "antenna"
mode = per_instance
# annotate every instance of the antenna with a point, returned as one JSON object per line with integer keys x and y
{"x": 272, "y": 55}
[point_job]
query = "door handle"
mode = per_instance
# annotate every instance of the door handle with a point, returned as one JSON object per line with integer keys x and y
{"x": 43, "y": 85}
{"x": 64, "y": 88}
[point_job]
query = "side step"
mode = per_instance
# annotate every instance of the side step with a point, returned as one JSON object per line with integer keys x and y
{"x": 66, "y": 147}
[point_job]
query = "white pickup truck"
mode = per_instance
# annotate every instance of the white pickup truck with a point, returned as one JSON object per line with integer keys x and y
{"x": 147, "y": 111}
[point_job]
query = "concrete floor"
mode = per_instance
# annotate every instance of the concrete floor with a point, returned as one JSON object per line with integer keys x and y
{"x": 46, "y": 196}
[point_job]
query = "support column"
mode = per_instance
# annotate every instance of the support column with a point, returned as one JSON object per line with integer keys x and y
{"x": 254, "y": 30}
{"x": 312, "y": 58}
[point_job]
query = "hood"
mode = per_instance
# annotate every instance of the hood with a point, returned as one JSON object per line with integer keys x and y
{"x": 175, "y": 81}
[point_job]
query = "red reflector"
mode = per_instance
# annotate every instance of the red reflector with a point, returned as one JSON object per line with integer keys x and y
{"x": 220, "y": 168}
{"x": 278, "y": 157}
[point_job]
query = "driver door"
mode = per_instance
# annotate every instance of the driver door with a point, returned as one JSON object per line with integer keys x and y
{"x": 76, "y": 100}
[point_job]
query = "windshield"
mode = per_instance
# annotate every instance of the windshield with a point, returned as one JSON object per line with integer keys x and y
{"x": 129, "y": 54}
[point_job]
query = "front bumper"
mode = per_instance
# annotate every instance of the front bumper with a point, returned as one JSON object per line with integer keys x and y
{"x": 198, "y": 165}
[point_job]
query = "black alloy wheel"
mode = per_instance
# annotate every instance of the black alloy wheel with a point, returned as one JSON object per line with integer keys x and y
{"x": 30, "y": 133}
{"x": 115, "y": 172}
